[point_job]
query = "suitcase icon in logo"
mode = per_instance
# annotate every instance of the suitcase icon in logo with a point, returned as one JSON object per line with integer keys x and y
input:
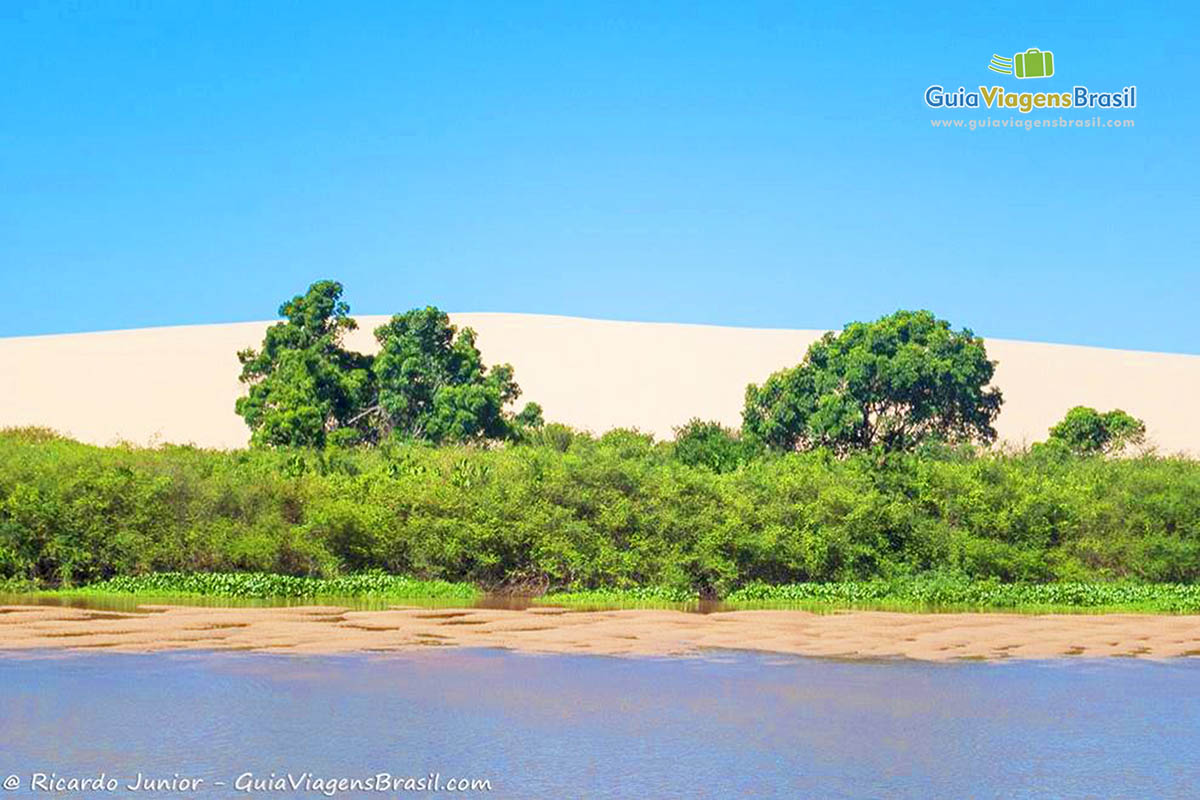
{"x": 1034, "y": 63}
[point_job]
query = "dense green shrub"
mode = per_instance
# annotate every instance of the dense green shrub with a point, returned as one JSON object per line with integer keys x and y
{"x": 710, "y": 444}
{"x": 1086, "y": 431}
{"x": 573, "y": 512}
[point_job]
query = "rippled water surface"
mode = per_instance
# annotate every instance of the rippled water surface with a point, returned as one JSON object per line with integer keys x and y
{"x": 730, "y": 725}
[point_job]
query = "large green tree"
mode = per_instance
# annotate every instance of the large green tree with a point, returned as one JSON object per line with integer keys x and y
{"x": 894, "y": 383}
{"x": 304, "y": 386}
{"x": 428, "y": 381}
{"x": 1085, "y": 431}
{"x": 431, "y": 383}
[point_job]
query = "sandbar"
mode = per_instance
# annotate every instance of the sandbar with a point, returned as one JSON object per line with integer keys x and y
{"x": 629, "y": 632}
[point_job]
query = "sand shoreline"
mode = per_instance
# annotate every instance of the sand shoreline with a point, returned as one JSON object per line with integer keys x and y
{"x": 850, "y": 634}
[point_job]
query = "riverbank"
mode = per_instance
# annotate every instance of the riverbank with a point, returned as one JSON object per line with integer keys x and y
{"x": 630, "y": 632}
{"x": 375, "y": 591}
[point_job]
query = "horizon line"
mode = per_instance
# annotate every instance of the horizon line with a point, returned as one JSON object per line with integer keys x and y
{"x": 452, "y": 314}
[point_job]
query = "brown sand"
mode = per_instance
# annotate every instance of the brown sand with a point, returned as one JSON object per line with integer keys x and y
{"x": 179, "y": 384}
{"x": 850, "y": 634}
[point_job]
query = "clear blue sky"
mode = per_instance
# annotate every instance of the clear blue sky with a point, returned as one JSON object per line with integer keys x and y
{"x": 769, "y": 165}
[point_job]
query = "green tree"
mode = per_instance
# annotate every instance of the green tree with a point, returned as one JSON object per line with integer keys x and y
{"x": 304, "y": 386}
{"x": 710, "y": 444}
{"x": 1086, "y": 431}
{"x": 895, "y": 383}
{"x": 530, "y": 417}
{"x": 431, "y": 384}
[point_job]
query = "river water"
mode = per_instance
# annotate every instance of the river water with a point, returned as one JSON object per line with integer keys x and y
{"x": 560, "y": 726}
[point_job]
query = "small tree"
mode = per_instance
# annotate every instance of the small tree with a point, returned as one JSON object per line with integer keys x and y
{"x": 710, "y": 444}
{"x": 303, "y": 384}
{"x": 431, "y": 383}
{"x": 894, "y": 383}
{"x": 1085, "y": 431}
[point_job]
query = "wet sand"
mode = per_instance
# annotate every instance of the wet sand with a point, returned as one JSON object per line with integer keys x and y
{"x": 848, "y": 634}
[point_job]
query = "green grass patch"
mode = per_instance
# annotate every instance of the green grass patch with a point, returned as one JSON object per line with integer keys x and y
{"x": 921, "y": 593}
{"x": 943, "y": 594}
{"x": 267, "y": 586}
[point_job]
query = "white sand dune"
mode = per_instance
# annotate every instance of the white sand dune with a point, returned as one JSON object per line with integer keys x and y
{"x": 179, "y": 384}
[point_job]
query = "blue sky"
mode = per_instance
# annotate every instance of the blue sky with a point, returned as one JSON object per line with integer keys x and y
{"x": 769, "y": 165}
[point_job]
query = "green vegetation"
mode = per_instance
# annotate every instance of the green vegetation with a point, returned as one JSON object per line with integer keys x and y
{"x": 568, "y": 512}
{"x": 712, "y": 445}
{"x": 432, "y": 384}
{"x": 303, "y": 385}
{"x": 931, "y": 591}
{"x": 1085, "y": 431}
{"x": 856, "y": 480}
{"x": 892, "y": 384}
{"x": 957, "y": 592}
{"x": 270, "y": 586}
{"x": 427, "y": 383}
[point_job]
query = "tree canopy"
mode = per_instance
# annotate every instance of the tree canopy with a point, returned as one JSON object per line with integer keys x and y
{"x": 895, "y": 383}
{"x": 303, "y": 384}
{"x": 1086, "y": 431}
{"x": 710, "y": 444}
{"x": 428, "y": 381}
{"x": 432, "y": 383}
